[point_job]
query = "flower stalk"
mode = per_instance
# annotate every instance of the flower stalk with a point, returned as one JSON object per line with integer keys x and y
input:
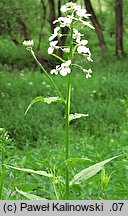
{"x": 68, "y": 99}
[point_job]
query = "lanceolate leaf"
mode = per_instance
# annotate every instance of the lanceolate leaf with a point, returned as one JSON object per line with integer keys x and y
{"x": 76, "y": 116}
{"x": 29, "y": 196}
{"x": 42, "y": 173}
{"x": 44, "y": 100}
{"x": 89, "y": 172}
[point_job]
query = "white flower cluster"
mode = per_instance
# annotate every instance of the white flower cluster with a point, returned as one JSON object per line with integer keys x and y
{"x": 73, "y": 13}
{"x": 88, "y": 73}
{"x": 63, "y": 69}
{"x": 28, "y": 44}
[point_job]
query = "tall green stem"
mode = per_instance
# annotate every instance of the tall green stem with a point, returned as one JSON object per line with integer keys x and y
{"x": 67, "y": 133}
{"x": 68, "y": 98}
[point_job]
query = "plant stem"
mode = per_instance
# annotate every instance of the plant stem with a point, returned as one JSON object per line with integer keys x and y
{"x": 67, "y": 133}
{"x": 2, "y": 171}
{"x": 68, "y": 98}
{"x": 51, "y": 80}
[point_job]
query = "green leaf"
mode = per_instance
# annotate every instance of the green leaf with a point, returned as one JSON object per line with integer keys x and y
{"x": 89, "y": 172}
{"x": 42, "y": 173}
{"x": 105, "y": 179}
{"x": 29, "y": 196}
{"x": 76, "y": 160}
{"x": 76, "y": 116}
{"x": 44, "y": 100}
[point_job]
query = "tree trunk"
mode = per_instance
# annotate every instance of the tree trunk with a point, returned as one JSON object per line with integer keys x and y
{"x": 52, "y": 14}
{"x": 119, "y": 28}
{"x": 23, "y": 28}
{"x": 95, "y": 22}
{"x": 42, "y": 20}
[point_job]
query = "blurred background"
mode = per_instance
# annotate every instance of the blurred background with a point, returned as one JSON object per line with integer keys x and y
{"x": 37, "y": 140}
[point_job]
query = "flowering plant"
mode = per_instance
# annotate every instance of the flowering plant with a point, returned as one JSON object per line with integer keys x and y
{"x": 73, "y": 15}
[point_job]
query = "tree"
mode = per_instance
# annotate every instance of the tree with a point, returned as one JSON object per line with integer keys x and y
{"x": 42, "y": 22}
{"x": 96, "y": 23}
{"x": 52, "y": 14}
{"x": 119, "y": 28}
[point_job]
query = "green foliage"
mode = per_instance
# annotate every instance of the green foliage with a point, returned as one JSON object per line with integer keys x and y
{"x": 38, "y": 139}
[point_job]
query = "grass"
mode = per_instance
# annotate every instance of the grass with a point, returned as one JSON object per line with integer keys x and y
{"x": 38, "y": 138}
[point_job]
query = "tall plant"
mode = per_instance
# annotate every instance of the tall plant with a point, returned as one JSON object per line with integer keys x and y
{"x": 74, "y": 16}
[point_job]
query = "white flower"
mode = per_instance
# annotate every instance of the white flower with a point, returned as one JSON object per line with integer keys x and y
{"x": 68, "y": 7}
{"x": 28, "y": 44}
{"x": 76, "y": 7}
{"x": 82, "y": 42}
{"x": 55, "y": 33}
{"x": 76, "y": 35}
{"x": 82, "y": 13}
{"x": 52, "y": 47}
{"x": 64, "y": 69}
{"x": 55, "y": 71}
{"x": 64, "y": 21}
{"x": 82, "y": 49}
{"x": 89, "y": 72}
{"x": 64, "y": 8}
{"x": 66, "y": 50}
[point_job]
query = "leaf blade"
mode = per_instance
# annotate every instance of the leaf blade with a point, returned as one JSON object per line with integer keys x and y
{"x": 89, "y": 172}
{"x": 39, "y": 172}
{"x": 47, "y": 100}
{"x": 76, "y": 116}
{"x": 29, "y": 196}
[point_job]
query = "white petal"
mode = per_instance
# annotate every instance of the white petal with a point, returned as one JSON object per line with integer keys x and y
{"x": 68, "y": 70}
{"x": 67, "y": 63}
{"x": 88, "y": 75}
{"x": 63, "y": 8}
{"x": 64, "y": 72}
{"x": 82, "y": 49}
{"x": 55, "y": 21}
{"x": 56, "y": 29}
{"x": 83, "y": 42}
{"x": 50, "y": 50}
{"x": 52, "y": 71}
{"x": 81, "y": 12}
{"x": 53, "y": 43}
{"x": 52, "y": 37}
